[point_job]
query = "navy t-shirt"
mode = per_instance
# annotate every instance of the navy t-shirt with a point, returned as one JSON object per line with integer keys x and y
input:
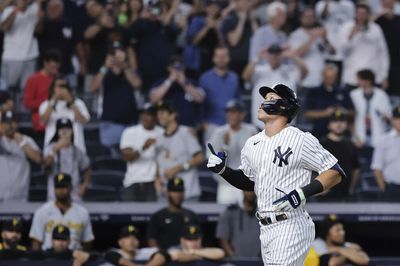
{"x": 119, "y": 103}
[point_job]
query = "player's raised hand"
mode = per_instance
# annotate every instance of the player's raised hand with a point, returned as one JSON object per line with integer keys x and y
{"x": 216, "y": 161}
{"x": 290, "y": 201}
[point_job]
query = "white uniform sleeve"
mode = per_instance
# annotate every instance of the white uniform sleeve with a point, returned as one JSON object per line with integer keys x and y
{"x": 245, "y": 165}
{"x": 87, "y": 234}
{"x": 314, "y": 157}
{"x": 38, "y": 226}
{"x": 82, "y": 109}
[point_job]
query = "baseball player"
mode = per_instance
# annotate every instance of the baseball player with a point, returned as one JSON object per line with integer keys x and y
{"x": 277, "y": 164}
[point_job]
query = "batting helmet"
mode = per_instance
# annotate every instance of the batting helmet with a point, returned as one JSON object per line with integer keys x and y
{"x": 287, "y": 106}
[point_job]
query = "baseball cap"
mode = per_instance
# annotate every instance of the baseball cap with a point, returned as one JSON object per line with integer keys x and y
{"x": 396, "y": 112}
{"x": 62, "y": 180}
{"x": 191, "y": 232}
{"x": 176, "y": 184}
{"x": 63, "y": 123}
{"x": 61, "y": 232}
{"x": 8, "y": 116}
{"x": 339, "y": 115}
{"x": 275, "y": 49}
{"x": 234, "y": 105}
{"x": 128, "y": 230}
{"x": 149, "y": 109}
{"x": 282, "y": 90}
{"x": 327, "y": 224}
{"x": 176, "y": 62}
{"x": 13, "y": 225}
{"x": 166, "y": 105}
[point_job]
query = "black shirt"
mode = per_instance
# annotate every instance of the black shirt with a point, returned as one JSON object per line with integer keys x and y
{"x": 119, "y": 103}
{"x": 346, "y": 153}
{"x": 166, "y": 226}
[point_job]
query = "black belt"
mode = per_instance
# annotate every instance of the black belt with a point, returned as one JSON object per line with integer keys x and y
{"x": 267, "y": 220}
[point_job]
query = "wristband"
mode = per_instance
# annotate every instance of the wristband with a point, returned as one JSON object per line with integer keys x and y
{"x": 103, "y": 70}
{"x": 313, "y": 188}
{"x": 186, "y": 166}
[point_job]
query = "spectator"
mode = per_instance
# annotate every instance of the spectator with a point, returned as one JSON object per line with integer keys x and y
{"x": 322, "y": 102}
{"x": 17, "y": 150}
{"x": 37, "y": 87}
{"x": 18, "y": 21}
{"x": 363, "y": 45}
{"x": 203, "y": 36}
{"x": 309, "y": 42}
{"x": 138, "y": 149}
{"x": 62, "y": 156}
{"x": 61, "y": 211}
{"x": 128, "y": 242}
{"x": 237, "y": 29}
{"x": 144, "y": 36}
{"x": 272, "y": 72}
{"x": 333, "y": 15}
{"x": 181, "y": 91}
{"x": 11, "y": 233}
{"x": 372, "y": 108}
{"x": 54, "y": 31}
{"x": 166, "y": 224}
{"x": 271, "y": 33}
{"x": 179, "y": 152}
{"x": 238, "y": 228}
{"x": 61, "y": 103}
{"x": 97, "y": 36}
{"x": 220, "y": 85}
{"x": 231, "y": 138}
{"x": 385, "y": 162}
{"x": 118, "y": 82}
{"x": 332, "y": 247}
{"x": 129, "y": 12}
{"x": 191, "y": 247}
{"x": 337, "y": 143}
{"x": 390, "y": 23}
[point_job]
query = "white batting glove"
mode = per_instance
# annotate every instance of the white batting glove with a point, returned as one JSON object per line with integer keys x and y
{"x": 216, "y": 162}
{"x": 290, "y": 201}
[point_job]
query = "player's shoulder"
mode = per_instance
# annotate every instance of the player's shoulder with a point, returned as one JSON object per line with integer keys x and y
{"x": 257, "y": 137}
{"x": 79, "y": 209}
{"x": 297, "y": 132}
{"x": 46, "y": 207}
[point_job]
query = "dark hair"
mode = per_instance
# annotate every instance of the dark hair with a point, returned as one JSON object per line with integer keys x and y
{"x": 366, "y": 74}
{"x": 364, "y": 6}
{"x": 53, "y": 85}
{"x": 52, "y": 55}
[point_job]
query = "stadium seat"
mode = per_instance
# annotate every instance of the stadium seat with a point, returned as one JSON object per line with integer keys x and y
{"x": 100, "y": 193}
{"x": 107, "y": 178}
{"x": 95, "y": 150}
{"x": 37, "y": 193}
{"x": 38, "y": 179}
{"x": 208, "y": 186}
{"x": 108, "y": 163}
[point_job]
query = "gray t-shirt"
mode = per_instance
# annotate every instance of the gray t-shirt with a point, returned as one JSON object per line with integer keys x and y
{"x": 14, "y": 169}
{"x": 242, "y": 230}
{"x": 69, "y": 160}
{"x": 179, "y": 148}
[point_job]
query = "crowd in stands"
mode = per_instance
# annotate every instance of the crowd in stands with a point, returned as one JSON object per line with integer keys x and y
{"x": 158, "y": 80}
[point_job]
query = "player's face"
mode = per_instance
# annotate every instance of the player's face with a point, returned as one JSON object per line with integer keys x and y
{"x": 188, "y": 244}
{"x": 396, "y": 123}
{"x": 129, "y": 243}
{"x": 60, "y": 245}
{"x": 175, "y": 198}
{"x": 338, "y": 127}
{"x": 62, "y": 194}
{"x": 262, "y": 115}
{"x": 337, "y": 234}
{"x": 11, "y": 237}
{"x": 234, "y": 118}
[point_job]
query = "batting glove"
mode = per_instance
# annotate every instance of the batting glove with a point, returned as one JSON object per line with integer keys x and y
{"x": 290, "y": 201}
{"x": 216, "y": 161}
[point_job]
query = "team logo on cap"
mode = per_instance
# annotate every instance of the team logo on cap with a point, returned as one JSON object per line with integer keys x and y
{"x": 60, "y": 229}
{"x": 177, "y": 181}
{"x": 60, "y": 177}
{"x": 192, "y": 230}
{"x": 332, "y": 217}
{"x": 131, "y": 229}
{"x": 15, "y": 221}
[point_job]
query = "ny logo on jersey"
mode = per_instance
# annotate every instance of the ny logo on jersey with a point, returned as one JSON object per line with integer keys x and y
{"x": 283, "y": 157}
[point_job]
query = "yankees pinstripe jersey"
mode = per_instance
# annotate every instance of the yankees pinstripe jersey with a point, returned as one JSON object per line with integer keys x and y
{"x": 285, "y": 161}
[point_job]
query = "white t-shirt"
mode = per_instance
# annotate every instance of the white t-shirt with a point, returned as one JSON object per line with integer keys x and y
{"x": 313, "y": 59}
{"x": 264, "y": 75}
{"x": 76, "y": 219}
{"x": 62, "y": 111}
{"x": 20, "y": 43}
{"x": 144, "y": 168}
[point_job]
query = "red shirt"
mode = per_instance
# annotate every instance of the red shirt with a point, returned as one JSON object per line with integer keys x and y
{"x": 37, "y": 91}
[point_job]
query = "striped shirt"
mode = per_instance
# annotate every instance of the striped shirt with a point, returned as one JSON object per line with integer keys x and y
{"x": 284, "y": 161}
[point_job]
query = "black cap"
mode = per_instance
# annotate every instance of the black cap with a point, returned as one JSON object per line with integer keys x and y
{"x": 13, "y": 225}
{"x": 396, "y": 112}
{"x": 234, "y": 105}
{"x": 149, "y": 109}
{"x": 327, "y": 224}
{"x": 275, "y": 49}
{"x": 192, "y": 232}
{"x": 339, "y": 115}
{"x": 8, "y": 116}
{"x": 128, "y": 230}
{"x": 212, "y": 2}
{"x": 282, "y": 90}
{"x": 63, "y": 123}
{"x": 166, "y": 105}
{"x": 176, "y": 184}
{"x": 62, "y": 180}
{"x": 61, "y": 232}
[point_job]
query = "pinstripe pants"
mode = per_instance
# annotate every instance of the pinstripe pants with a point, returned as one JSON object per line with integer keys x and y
{"x": 287, "y": 243}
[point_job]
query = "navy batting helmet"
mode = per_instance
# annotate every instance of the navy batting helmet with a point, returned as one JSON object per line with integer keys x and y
{"x": 287, "y": 106}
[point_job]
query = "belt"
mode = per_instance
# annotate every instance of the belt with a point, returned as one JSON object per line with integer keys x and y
{"x": 267, "y": 220}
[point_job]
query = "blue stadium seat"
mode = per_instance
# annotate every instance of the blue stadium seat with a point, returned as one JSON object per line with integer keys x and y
{"x": 37, "y": 193}
{"x": 107, "y": 178}
{"x": 108, "y": 163}
{"x": 95, "y": 150}
{"x": 100, "y": 193}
